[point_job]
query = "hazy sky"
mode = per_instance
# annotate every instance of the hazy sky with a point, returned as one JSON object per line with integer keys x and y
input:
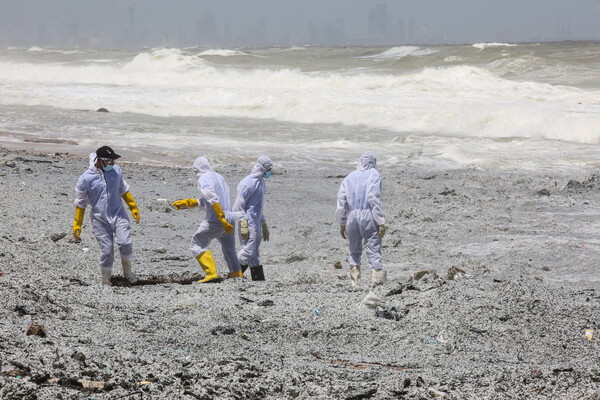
{"x": 124, "y": 23}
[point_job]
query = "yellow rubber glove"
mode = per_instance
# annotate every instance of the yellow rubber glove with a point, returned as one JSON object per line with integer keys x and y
{"x": 77, "y": 222}
{"x": 185, "y": 203}
{"x": 265, "y": 230}
{"x": 343, "y": 231}
{"x": 244, "y": 232}
{"x": 381, "y": 230}
{"x": 135, "y": 213}
{"x": 221, "y": 215}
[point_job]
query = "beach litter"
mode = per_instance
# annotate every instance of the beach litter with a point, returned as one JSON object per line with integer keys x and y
{"x": 437, "y": 393}
{"x": 455, "y": 273}
{"x": 388, "y": 313}
{"x": 36, "y": 330}
{"x": 55, "y": 237}
{"x": 589, "y": 334}
{"x": 97, "y": 385}
{"x": 371, "y": 300}
{"x": 23, "y": 311}
{"x": 440, "y": 338}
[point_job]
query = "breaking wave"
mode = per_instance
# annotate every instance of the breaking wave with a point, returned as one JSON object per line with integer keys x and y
{"x": 400, "y": 52}
{"x": 482, "y": 46}
{"x": 461, "y": 100}
{"x": 222, "y": 53}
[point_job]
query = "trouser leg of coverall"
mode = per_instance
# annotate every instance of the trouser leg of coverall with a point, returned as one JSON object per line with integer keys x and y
{"x": 249, "y": 253}
{"x": 373, "y": 247}
{"x": 123, "y": 238}
{"x": 103, "y": 233}
{"x": 355, "y": 245}
{"x": 256, "y": 269}
{"x": 204, "y": 235}
{"x": 228, "y": 248}
{"x": 373, "y": 250}
{"x": 106, "y": 234}
{"x": 124, "y": 244}
{"x": 354, "y": 236}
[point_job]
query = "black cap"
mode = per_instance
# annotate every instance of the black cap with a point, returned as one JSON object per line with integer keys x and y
{"x": 106, "y": 152}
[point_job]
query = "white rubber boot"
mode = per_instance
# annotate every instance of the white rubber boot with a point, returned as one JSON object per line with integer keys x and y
{"x": 355, "y": 274}
{"x": 106, "y": 273}
{"x": 378, "y": 277}
{"x": 127, "y": 272}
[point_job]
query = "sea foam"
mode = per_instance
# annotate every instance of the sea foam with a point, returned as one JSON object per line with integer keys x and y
{"x": 400, "y": 52}
{"x": 222, "y": 53}
{"x": 482, "y": 46}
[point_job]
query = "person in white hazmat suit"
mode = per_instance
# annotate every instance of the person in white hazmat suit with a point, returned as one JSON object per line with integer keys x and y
{"x": 360, "y": 215}
{"x": 253, "y": 226}
{"x": 218, "y": 222}
{"x": 103, "y": 187}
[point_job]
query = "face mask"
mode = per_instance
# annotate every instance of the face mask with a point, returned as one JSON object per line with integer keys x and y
{"x": 267, "y": 174}
{"x": 107, "y": 168}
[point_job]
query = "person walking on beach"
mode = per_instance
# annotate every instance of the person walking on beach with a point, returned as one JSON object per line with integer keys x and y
{"x": 253, "y": 226}
{"x": 218, "y": 222}
{"x": 103, "y": 187}
{"x": 360, "y": 215}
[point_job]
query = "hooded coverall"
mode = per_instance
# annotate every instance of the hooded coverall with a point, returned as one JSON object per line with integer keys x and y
{"x": 250, "y": 201}
{"x": 214, "y": 189}
{"x": 103, "y": 191}
{"x": 359, "y": 209}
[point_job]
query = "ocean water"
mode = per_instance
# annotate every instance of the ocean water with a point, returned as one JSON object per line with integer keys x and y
{"x": 488, "y": 105}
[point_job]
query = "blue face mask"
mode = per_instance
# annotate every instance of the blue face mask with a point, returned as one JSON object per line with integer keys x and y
{"x": 107, "y": 168}
{"x": 267, "y": 174}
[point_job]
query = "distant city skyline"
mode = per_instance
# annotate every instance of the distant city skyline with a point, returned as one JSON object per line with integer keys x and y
{"x": 246, "y": 23}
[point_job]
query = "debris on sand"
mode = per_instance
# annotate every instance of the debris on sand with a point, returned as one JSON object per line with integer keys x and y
{"x": 423, "y": 281}
{"x": 591, "y": 183}
{"x": 455, "y": 273}
{"x": 36, "y": 329}
{"x": 389, "y": 312}
{"x": 372, "y": 300}
{"x": 55, "y": 237}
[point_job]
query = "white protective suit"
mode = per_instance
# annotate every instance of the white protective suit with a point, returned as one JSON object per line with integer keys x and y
{"x": 359, "y": 209}
{"x": 214, "y": 189}
{"x": 103, "y": 191}
{"x": 250, "y": 201}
